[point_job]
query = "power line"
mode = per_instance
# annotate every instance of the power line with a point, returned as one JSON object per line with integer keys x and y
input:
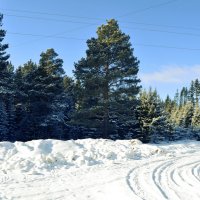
{"x": 147, "y": 8}
{"x": 42, "y": 37}
{"x": 52, "y": 14}
{"x": 167, "y": 47}
{"x": 162, "y": 31}
{"x": 49, "y": 19}
{"x": 136, "y": 44}
{"x": 91, "y": 18}
{"x": 161, "y": 25}
{"x": 135, "y": 28}
{"x": 90, "y": 23}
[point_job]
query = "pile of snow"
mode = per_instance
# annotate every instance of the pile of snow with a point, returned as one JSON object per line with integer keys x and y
{"x": 40, "y": 156}
{"x": 46, "y": 155}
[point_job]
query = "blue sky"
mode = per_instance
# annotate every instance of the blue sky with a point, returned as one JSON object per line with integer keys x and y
{"x": 165, "y": 34}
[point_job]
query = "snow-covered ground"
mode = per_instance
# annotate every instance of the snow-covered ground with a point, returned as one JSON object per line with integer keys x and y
{"x": 99, "y": 170}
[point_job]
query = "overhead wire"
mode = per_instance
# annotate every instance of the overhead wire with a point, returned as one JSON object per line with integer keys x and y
{"x": 147, "y": 8}
{"x": 57, "y": 35}
{"x": 93, "y": 18}
{"x": 83, "y": 17}
{"x": 137, "y": 44}
{"x": 83, "y": 22}
{"x": 92, "y": 23}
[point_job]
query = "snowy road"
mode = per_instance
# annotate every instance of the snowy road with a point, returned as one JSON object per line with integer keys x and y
{"x": 141, "y": 172}
{"x": 177, "y": 178}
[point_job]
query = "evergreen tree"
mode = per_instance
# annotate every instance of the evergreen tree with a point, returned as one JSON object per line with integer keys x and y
{"x": 24, "y": 84}
{"x": 6, "y": 87}
{"x": 169, "y": 104}
{"x": 106, "y": 81}
{"x": 3, "y": 122}
{"x": 188, "y": 114}
{"x": 5, "y": 73}
{"x": 191, "y": 93}
{"x": 3, "y": 56}
{"x": 176, "y": 98}
{"x": 196, "y": 117}
{"x": 154, "y": 124}
{"x": 183, "y": 96}
{"x": 197, "y": 91}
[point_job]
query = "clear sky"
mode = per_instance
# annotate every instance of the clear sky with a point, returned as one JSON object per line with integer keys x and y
{"x": 165, "y": 34}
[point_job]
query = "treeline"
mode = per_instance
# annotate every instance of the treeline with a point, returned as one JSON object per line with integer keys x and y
{"x": 184, "y": 110}
{"x": 104, "y": 100}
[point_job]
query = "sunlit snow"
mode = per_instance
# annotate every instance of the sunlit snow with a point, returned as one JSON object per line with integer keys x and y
{"x": 99, "y": 170}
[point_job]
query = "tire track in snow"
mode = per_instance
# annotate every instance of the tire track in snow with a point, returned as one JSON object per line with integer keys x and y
{"x": 175, "y": 178}
{"x": 196, "y": 171}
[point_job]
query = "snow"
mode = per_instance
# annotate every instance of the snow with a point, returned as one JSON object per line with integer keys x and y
{"x": 99, "y": 169}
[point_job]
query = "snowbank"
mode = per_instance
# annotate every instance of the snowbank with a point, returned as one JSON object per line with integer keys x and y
{"x": 40, "y": 156}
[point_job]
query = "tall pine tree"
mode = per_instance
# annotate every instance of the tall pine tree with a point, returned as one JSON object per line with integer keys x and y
{"x": 107, "y": 82}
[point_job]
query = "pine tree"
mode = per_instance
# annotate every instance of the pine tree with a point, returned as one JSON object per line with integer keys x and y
{"x": 107, "y": 82}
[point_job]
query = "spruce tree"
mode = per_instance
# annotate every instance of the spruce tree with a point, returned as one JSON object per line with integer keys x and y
{"x": 5, "y": 73}
{"x": 107, "y": 82}
{"x": 6, "y": 88}
{"x": 3, "y": 122}
{"x": 3, "y": 55}
{"x": 197, "y": 91}
{"x": 191, "y": 93}
{"x": 153, "y": 119}
{"x": 196, "y": 117}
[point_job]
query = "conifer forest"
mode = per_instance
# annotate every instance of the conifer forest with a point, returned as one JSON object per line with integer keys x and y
{"x": 103, "y": 99}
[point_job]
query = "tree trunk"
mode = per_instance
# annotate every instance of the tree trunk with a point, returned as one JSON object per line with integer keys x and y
{"x": 106, "y": 105}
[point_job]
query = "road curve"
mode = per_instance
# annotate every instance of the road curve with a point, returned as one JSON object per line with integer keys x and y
{"x": 171, "y": 178}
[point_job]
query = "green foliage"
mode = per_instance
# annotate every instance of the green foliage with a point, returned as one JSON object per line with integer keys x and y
{"x": 42, "y": 101}
{"x": 106, "y": 81}
{"x": 3, "y": 56}
{"x": 7, "y": 91}
{"x": 153, "y": 120}
{"x": 184, "y": 110}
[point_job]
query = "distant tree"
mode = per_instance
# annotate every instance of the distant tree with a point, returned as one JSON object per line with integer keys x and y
{"x": 106, "y": 81}
{"x": 196, "y": 117}
{"x": 176, "y": 97}
{"x": 191, "y": 93}
{"x": 183, "y": 96}
{"x": 153, "y": 119}
{"x": 197, "y": 91}
{"x": 169, "y": 104}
